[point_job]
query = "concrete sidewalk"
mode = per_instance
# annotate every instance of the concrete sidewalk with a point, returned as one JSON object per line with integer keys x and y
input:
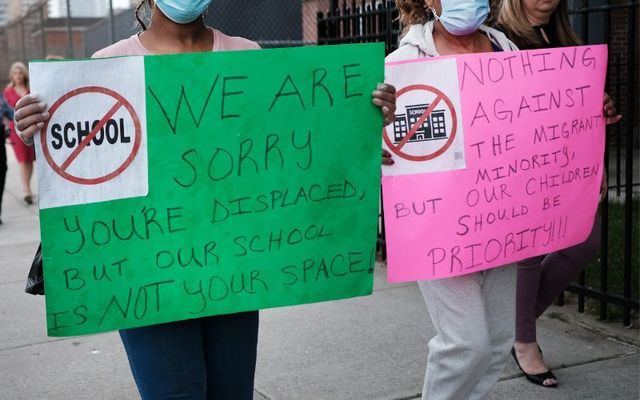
{"x": 367, "y": 348}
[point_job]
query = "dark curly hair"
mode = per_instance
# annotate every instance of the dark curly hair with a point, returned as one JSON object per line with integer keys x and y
{"x": 412, "y": 12}
{"x": 139, "y": 7}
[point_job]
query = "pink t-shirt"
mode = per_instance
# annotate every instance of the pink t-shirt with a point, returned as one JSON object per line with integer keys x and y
{"x": 133, "y": 46}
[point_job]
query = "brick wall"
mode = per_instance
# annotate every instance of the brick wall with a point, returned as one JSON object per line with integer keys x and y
{"x": 310, "y": 10}
{"x": 57, "y": 42}
{"x": 618, "y": 50}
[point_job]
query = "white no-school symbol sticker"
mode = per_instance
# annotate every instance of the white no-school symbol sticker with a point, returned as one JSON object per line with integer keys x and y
{"x": 66, "y": 145}
{"x": 93, "y": 148}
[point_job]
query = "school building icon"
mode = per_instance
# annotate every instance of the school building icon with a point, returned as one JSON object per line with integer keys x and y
{"x": 433, "y": 127}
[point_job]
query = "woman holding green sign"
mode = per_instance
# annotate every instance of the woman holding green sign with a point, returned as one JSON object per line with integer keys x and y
{"x": 203, "y": 358}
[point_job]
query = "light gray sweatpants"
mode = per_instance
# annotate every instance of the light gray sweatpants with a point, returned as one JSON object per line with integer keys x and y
{"x": 474, "y": 320}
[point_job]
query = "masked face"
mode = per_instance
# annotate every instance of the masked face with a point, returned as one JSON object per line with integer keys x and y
{"x": 462, "y": 17}
{"x": 183, "y": 11}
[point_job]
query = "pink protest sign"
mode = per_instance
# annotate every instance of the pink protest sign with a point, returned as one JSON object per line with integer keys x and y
{"x": 498, "y": 158}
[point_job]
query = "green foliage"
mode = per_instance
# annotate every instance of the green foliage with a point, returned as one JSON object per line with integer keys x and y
{"x": 616, "y": 256}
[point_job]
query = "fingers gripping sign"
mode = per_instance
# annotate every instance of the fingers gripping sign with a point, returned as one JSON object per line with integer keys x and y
{"x": 29, "y": 117}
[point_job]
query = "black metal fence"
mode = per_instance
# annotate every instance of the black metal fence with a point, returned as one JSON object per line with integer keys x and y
{"x": 359, "y": 21}
{"x": 619, "y": 22}
{"x": 275, "y": 23}
{"x": 612, "y": 22}
{"x": 272, "y": 23}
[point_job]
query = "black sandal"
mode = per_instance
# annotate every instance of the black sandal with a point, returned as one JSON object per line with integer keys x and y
{"x": 538, "y": 379}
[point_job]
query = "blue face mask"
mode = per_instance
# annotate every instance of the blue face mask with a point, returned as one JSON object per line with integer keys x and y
{"x": 183, "y": 11}
{"x": 462, "y": 17}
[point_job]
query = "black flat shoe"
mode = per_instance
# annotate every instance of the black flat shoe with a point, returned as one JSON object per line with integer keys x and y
{"x": 538, "y": 379}
{"x": 28, "y": 199}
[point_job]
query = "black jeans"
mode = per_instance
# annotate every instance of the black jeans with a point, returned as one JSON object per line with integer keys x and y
{"x": 198, "y": 359}
{"x": 3, "y": 165}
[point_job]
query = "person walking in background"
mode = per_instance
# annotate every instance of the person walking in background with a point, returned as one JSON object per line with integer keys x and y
{"x": 539, "y": 24}
{"x": 472, "y": 314}
{"x": 202, "y": 358}
{"x": 17, "y": 89}
{"x": 6, "y": 116}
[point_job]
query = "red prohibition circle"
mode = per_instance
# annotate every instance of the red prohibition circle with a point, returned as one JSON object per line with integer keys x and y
{"x": 122, "y": 102}
{"x": 454, "y": 128}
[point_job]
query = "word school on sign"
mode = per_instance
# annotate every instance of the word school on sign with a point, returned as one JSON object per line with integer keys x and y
{"x": 71, "y": 134}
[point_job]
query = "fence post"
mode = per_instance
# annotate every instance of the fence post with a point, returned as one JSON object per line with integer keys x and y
{"x": 69, "y": 31}
{"x": 585, "y": 37}
{"x": 23, "y": 45}
{"x": 628, "y": 206}
{"x": 320, "y": 23}
{"x": 43, "y": 39}
{"x": 369, "y": 18}
{"x": 382, "y": 235}
{"x": 333, "y": 27}
{"x": 604, "y": 228}
{"x": 344, "y": 22}
{"x": 618, "y": 130}
{"x": 585, "y": 23}
{"x": 389, "y": 25}
{"x": 355, "y": 26}
{"x": 112, "y": 23}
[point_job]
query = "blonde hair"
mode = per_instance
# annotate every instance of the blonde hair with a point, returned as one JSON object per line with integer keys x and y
{"x": 513, "y": 17}
{"x": 25, "y": 71}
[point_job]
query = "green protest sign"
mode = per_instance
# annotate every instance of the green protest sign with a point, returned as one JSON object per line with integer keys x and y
{"x": 180, "y": 186}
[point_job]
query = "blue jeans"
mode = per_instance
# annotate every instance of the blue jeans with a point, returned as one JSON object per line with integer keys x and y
{"x": 199, "y": 359}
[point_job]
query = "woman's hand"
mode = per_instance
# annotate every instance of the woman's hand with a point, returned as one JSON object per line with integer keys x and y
{"x": 386, "y": 158}
{"x": 611, "y": 115}
{"x": 30, "y": 116}
{"x": 385, "y": 97}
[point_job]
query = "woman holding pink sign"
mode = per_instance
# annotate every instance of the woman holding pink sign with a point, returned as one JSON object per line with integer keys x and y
{"x": 472, "y": 314}
{"x": 536, "y": 24}
{"x": 202, "y": 358}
